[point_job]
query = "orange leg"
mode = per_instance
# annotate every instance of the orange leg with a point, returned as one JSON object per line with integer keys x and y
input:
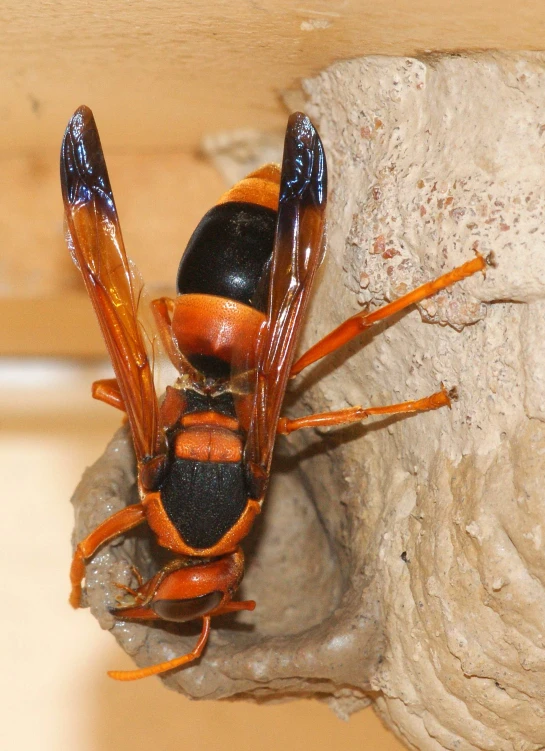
{"x": 361, "y": 321}
{"x": 117, "y": 524}
{"x": 107, "y": 390}
{"x": 357, "y": 414}
{"x": 162, "y": 667}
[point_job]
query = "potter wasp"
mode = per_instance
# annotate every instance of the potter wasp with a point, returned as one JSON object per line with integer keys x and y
{"x": 203, "y": 447}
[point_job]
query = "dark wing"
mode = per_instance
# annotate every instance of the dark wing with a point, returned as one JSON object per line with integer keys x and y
{"x": 96, "y": 245}
{"x": 297, "y": 253}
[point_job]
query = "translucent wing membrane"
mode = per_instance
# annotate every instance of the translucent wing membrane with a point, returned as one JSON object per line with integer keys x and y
{"x": 297, "y": 253}
{"x": 97, "y": 247}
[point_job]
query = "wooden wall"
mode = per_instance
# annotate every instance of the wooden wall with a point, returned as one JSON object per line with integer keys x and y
{"x": 160, "y": 76}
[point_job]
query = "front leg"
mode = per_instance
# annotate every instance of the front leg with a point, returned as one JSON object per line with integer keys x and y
{"x": 117, "y": 524}
{"x": 135, "y": 675}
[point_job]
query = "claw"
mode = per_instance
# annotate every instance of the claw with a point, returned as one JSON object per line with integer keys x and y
{"x": 129, "y": 591}
{"x": 134, "y": 593}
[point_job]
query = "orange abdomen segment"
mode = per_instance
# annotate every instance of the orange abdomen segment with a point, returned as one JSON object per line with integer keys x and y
{"x": 208, "y": 444}
{"x": 261, "y": 187}
{"x": 217, "y": 327}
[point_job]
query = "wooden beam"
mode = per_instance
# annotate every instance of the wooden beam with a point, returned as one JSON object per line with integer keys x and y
{"x": 160, "y": 75}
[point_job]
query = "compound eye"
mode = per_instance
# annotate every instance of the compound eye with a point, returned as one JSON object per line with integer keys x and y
{"x": 181, "y": 611}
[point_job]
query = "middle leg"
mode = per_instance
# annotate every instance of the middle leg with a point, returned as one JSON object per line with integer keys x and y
{"x": 357, "y": 414}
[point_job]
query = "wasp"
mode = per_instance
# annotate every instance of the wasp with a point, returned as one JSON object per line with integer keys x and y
{"x": 204, "y": 447}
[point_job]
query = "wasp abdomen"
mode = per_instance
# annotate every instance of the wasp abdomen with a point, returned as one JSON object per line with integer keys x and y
{"x": 229, "y": 253}
{"x": 224, "y": 275}
{"x": 212, "y": 332}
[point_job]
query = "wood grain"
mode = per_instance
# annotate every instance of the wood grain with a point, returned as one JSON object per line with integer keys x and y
{"x": 178, "y": 70}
